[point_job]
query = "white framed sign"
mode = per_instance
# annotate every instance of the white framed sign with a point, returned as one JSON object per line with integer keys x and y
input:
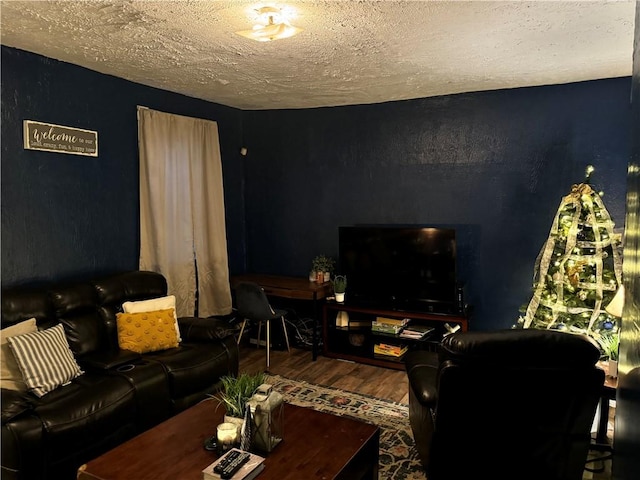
{"x": 57, "y": 138}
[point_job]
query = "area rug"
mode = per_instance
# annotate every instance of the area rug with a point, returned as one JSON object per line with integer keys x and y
{"x": 398, "y": 458}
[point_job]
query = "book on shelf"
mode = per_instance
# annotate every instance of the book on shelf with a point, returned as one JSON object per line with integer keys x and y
{"x": 389, "y": 350}
{"x": 386, "y": 355}
{"x": 359, "y": 323}
{"x": 392, "y": 321}
{"x": 416, "y": 332}
{"x": 384, "y": 328}
{"x": 248, "y": 471}
{"x": 389, "y": 358}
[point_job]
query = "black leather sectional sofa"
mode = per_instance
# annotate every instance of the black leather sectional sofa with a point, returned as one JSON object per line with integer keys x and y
{"x": 120, "y": 393}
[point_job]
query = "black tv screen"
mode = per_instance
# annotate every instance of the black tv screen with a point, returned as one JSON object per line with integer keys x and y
{"x": 401, "y": 268}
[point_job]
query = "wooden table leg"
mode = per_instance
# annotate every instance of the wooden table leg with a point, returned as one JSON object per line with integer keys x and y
{"x": 314, "y": 336}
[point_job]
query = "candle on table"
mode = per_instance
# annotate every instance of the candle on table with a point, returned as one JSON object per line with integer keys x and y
{"x": 227, "y": 433}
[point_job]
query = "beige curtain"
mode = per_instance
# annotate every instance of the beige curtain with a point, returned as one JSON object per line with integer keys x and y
{"x": 182, "y": 221}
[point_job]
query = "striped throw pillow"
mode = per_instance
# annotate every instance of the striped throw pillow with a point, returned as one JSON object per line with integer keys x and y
{"x": 45, "y": 359}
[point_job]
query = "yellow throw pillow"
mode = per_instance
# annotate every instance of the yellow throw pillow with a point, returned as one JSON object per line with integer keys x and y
{"x": 151, "y": 305}
{"x": 147, "y": 331}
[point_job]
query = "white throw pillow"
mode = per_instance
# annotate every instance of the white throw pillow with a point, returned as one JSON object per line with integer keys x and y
{"x": 11, "y": 376}
{"x": 153, "y": 305}
{"x": 45, "y": 359}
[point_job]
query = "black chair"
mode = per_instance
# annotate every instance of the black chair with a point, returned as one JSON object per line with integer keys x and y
{"x": 509, "y": 404}
{"x": 253, "y": 305}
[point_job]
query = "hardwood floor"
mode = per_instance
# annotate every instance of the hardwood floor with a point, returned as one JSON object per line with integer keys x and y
{"x": 369, "y": 380}
{"x": 376, "y": 381}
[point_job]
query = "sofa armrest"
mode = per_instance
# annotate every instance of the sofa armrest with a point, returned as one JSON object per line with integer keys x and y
{"x": 423, "y": 381}
{"x": 195, "y": 329}
{"x": 108, "y": 360}
{"x": 14, "y": 404}
{"x": 422, "y": 372}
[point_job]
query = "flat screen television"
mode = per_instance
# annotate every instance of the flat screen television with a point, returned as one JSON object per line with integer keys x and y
{"x": 399, "y": 268}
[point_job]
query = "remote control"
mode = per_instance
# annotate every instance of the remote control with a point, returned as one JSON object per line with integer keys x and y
{"x": 226, "y": 460}
{"x": 234, "y": 466}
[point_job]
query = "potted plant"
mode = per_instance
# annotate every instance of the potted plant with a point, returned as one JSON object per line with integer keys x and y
{"x": 235, "y": 393}
{"x": 322, "y": 266}
{"x": 610, "y": 343}
{"x": 339, "y": 287}
{"x": 317, "y": 266}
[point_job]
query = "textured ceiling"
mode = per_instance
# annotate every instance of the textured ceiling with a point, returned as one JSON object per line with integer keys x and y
{"x": 350, "y": 52}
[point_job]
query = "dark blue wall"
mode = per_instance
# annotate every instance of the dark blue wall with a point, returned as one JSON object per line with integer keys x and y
{"x": 494, "y": 165}
{"x": 73, "y": 216}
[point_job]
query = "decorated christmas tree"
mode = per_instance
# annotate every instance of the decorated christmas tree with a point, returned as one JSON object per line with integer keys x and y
{"x": 578, "y": 270}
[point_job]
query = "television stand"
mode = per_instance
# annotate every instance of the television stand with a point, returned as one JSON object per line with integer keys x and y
{"x": 356, "y": 341}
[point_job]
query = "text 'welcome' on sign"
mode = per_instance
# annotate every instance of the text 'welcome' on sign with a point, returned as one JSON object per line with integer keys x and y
{"x": 57, "y": 138}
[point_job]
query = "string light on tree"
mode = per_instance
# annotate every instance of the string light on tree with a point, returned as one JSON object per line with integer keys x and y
{"x": 578, "y": 270}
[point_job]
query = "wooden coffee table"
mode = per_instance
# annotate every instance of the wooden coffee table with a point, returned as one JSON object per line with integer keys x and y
{"x": 315, "y": 445}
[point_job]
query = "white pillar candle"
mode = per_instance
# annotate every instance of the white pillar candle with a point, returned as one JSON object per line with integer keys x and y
{"x": 227, "y": 433}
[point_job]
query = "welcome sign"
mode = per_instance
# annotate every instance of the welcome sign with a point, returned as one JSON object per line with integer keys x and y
{"x": 57, "y": 138}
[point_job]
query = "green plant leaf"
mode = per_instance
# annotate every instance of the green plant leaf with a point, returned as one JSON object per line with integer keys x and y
{"x": 236, "y": 391}
{"x": 610, "y": 344}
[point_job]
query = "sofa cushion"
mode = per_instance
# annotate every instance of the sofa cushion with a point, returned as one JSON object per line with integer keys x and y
{"x": 137, "y": 285}
{"x": 148, "y": 331}
{"x": 21, "y": 303}
{"x": 193, "y": 368}
{"x": 14, "y": 404}
{"x": 549, "y": 348}
{"x": 10, "y": 371}
{"x": 75, "y": 308}
{"x": 196, "y": 329}
{"x": 154, "y": 304}
{"x": 45, "y": 359}
{"x": 90, "y": 408}
{"x": 109, "y": 360}
{"x": 153, "y": 398}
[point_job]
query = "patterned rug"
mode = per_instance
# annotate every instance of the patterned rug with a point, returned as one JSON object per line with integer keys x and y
{"x": 398, "y": 458}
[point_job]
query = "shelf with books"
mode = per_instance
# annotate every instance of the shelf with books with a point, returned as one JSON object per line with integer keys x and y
{"x": 366, "y": 328}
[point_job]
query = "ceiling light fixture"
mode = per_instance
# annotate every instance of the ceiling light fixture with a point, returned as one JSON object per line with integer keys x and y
{"x": 270, "y": 25}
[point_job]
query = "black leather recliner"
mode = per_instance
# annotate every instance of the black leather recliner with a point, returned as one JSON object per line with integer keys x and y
{"x": 509, "y": 404}
{"x": 121, "y": 393}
